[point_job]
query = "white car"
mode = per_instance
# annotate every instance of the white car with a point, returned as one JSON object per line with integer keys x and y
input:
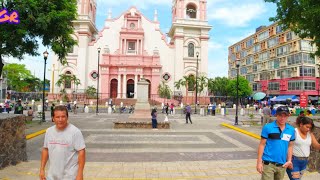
{"x": 291, "y": 110}
{"x": 275, "y": 106}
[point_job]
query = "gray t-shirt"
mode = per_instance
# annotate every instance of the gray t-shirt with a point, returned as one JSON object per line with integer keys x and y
{"x": 63, "y": 147}
{"x": 266, "y": 111}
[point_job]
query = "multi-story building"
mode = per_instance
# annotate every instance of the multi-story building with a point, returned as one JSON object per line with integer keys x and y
{"x": 276, "y": 62}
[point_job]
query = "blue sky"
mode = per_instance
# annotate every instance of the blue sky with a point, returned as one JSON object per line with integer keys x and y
{"x": 231, "y": 21}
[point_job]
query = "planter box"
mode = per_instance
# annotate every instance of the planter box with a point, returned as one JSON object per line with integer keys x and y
{"x": 139, "y": 125}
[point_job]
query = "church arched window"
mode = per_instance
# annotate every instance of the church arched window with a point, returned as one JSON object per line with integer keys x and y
{"x": 67, "y": 82}
{"x": 190, "y": 50}
{"x": 191, "y": 11}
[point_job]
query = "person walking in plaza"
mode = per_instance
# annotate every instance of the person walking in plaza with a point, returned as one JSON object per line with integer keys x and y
{"x": 167, "y": 108}
{"x": 171, "y": 108}
{"x": 188, "y": 113}
{"x": 213, "y": 109}
{"x": 301, "y": 148}
{"x": 276, "y": 146}
{"x": 266, "y": 112}
{"x": 52, "y": 109}
{"x": 64, "y": 147}
{"x": 154, "y": 119}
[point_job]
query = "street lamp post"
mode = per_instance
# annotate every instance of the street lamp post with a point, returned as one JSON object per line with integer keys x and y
{"x": 237, "y": 103}
{"x": 98, "y": 78}
{"x": 45, "y": 56}
{"x": 318, "y": 84}
{"x": 195, "y": 107}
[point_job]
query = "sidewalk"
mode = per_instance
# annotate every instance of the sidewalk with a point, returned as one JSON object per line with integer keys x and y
{"x": 202, "y": 150}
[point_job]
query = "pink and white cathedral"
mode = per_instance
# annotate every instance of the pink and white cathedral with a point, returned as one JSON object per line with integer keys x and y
{"x": 133, "y": 47}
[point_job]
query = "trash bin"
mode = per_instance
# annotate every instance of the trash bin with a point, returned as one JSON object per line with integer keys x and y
{"x": 298, "y": 110}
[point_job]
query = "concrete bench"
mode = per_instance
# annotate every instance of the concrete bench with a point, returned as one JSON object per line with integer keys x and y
{"x": 250, "y": 122}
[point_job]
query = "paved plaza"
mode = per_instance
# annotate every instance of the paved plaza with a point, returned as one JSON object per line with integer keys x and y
{"x": 202, "y": 150}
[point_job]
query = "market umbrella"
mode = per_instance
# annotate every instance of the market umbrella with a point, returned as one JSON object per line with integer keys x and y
{"x": 259, "y": 95}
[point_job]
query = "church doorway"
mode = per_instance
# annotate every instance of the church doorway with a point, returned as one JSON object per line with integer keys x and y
{"x": 113, "y": 88}
{"x": 149, "y": 89}
{"x": 130, "y": 88}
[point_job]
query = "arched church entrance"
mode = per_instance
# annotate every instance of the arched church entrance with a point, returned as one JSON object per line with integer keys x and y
{"x": 130, "y": 88}
{"x": 149, "y": 88}
{"x": 113, "y": 88}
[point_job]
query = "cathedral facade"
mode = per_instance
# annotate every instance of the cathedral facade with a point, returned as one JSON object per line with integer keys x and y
{"x": 131, "y": 46}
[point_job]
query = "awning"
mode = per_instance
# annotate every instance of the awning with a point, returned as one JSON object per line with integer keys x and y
{"x": 313, "y": 98}
{"x": 293, "y": 98}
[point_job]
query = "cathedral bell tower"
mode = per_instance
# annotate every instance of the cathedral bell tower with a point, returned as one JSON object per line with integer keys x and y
{"x": 85, "y": 32}
{"x": 189, "y": 34}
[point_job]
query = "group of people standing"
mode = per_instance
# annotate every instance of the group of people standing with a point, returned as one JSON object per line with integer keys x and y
{"x": 284, "y": 148}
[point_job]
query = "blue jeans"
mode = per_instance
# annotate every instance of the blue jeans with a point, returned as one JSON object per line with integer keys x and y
{"x": 154, "y": 123}
{"x": 298, "y": 166}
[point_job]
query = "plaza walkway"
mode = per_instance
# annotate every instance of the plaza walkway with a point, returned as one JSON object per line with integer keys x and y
{"x": 202, "y": 150}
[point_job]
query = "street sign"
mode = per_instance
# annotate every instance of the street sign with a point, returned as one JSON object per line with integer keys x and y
{"x": 303, "y": 100}
{"x": 47, "y": 87}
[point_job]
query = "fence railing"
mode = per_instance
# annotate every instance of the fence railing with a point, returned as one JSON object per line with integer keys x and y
{"x": 104, "y": 98}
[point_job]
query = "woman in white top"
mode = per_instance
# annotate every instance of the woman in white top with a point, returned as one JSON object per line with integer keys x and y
{"x": 301, "y": 147}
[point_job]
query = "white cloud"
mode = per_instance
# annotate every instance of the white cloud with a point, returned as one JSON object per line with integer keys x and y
{"x": 214, "y": 46}
{"x": 218, "y": 68}
{"x": 235, "y": 39}
{"x": 236, "y": 15}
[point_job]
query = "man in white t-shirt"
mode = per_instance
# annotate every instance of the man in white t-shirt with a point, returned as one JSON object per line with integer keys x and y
{"x": 64, "y": 147}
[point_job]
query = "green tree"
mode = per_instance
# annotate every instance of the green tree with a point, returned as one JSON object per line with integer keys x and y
{"x": 202, "y": 83}
{"x": 244, "y": 87}
{"x": 179, "y": 84}
{"x": 190, "y": 82}
{"x": 17, "y": 75}
{"x": 91, "y": 92}
{"x": 164, "y": 90}
{"x": 34, "y": 84}
{"x": 218, "y": 86}
{"x": 64, "y": 78}
{"x": 50, "y": 21}
{"x": 301, "y": 16}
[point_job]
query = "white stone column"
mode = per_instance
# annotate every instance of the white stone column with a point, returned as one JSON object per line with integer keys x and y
{"x": 119, "y": 86}
{"x": 124, "y": 86}
{"x": 141, "y": 47}
{"x": 135, "y": 86}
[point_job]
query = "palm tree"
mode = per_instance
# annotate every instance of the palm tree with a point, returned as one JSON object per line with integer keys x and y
{"x": 67, "y": 78}
{"x": 180, "y": 83}
{"x": 202, "y": 83}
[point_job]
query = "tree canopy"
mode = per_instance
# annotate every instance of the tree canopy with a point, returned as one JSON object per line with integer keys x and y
{"x": 20, "y": 79}
{"x": 244, "y": 87}
{"x": 50, "y": 21}
{"x": 301, "y": 16}
{"x": 164, "y": 90}
{"x": 218, "y": 86}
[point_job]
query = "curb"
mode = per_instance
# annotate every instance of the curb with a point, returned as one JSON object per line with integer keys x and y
{"x": 241, "y": 130}
{"x": 30, "y": 136}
